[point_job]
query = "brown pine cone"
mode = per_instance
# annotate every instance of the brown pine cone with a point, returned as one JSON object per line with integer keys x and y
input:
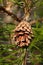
{"x": 22, "y": 35}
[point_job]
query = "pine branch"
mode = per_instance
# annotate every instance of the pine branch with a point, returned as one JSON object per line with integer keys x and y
{"x": 9, "y": 13}
{"x": 34, "y": 21}
{"x": 32, "y": 6}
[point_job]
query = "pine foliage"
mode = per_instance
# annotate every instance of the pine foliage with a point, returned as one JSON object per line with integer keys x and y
{"x": 31, "y": 36}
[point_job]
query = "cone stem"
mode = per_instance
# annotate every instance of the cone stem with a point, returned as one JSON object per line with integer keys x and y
{"x": 24, "y": 60}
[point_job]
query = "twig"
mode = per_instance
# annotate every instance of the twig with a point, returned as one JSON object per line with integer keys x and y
{"x": 9, "y": 13}
{"x": 34, "y": 21}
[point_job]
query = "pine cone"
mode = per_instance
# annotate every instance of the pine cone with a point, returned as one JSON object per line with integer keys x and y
{"x": 22, "y": 35}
